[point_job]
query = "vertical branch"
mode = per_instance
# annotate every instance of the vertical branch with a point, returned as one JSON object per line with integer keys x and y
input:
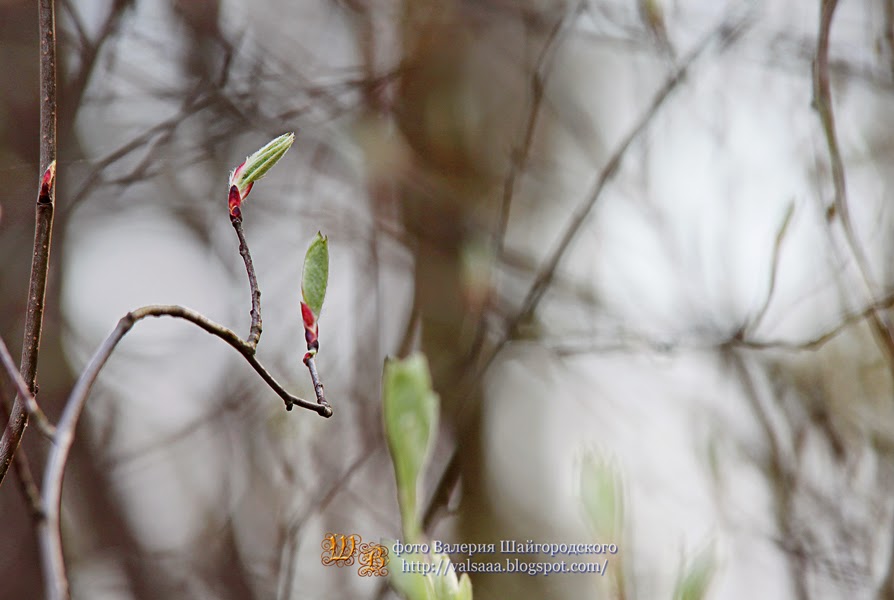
{"x": 254, "y": 334}
{"x": 43, "y": 233}
{"x": 315, "y": 378}
{"x": 823, "y": 104}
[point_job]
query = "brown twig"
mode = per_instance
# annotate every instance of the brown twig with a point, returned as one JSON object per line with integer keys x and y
{"x": 774, "y": 269}
{"x": 34, "y": 411}
{"x": 23, "y": 473}
{"x": 725, "y": 34}
{"x": 521, "y": 152}
{"x": 823, "y": 103}
{"x": 254, "y": 335}
{"x": 50, "y": 534}
{"x": 780, "y": 472}
{"x": 315, "y": 378}
{"x": 579, "y": 216}
{"x": 43, "y": 233}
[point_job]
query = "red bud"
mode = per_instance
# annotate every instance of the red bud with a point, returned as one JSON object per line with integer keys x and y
{"x": 308, "y": 316}
{"x": 235, "y": 202}
{"x": 46, "y": 184}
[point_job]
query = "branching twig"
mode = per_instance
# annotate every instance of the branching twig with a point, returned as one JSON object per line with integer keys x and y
{"x": 774, "y": 268}
{"x": 521, "y": 152}
{"x": 780, "y": 472}
{"x": 823, "y": 104}
{"x": 43, "y": 233}
{"x": 31, "y": 406}
{"x": 821, "y": 340}
{"x": 547, "y": 272}
{"x": 254, "y": 335}
{"x": 23, "y": 473}
{"x": 724, "y": 34}
{"x": 50, "y": 535}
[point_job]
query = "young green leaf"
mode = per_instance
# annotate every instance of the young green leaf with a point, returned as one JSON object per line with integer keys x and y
{"x": 316, "y": 274}
{"x": 410, "y": 584}
{"x": 257, "y": 165}
{"x": 465, "y": 588}
{"x": 411, "y": 420}
{"x": 602, "y": 496}
{"x": 693, "y": 582}
{"x": 446, "y": 584}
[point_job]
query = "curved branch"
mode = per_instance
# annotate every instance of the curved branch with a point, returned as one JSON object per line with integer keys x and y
{"x": 56, "y": 581}
{"x": 823, "y": 103}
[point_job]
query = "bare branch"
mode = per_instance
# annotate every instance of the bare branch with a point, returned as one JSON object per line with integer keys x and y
{"x": 823, "y": 104}
{"x": 254, "y": 335}
{"x": 31, "y": 406}
{"x": 43, "y": 233}
{"x": 50, "y": 534}
{"x": 315, "y": 378}
{"x": 774, "y": 268}
{"x": 722, "y": 34}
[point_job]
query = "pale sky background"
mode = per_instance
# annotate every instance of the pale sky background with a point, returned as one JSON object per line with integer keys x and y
{"x": 675, "y": 257}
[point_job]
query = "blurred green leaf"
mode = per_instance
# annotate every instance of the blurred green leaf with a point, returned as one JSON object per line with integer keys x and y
{"x": 446, "y": 585}
{"x": 316, "y": 274}
{"x": 412, "y": 586}
{"x": 694, "y": 579}
{"x": 465, "y": 588}
{"x": 411, "y": 415}
{"x": 602, "y": 496}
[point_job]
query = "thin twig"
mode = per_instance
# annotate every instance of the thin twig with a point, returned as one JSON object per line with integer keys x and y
{"x": 23, "y": 472}
{"x": 31, "y": 406}
{"x": 578, "y": 218}
{"x": 725, "y": 34}
{"x": 50, "y": 534}
{"x": 254, "y": 335}
{"x": 521, "y": 153}
{"x": 315, "y": 378}
{"x": 781, "y": 475}
{"x": 43, "y": 234}
{"x": 823, "y": 104}
{"x": 774, "y": 269}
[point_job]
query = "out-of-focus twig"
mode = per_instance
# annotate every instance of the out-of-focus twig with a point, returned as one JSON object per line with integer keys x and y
{"x": 780, "y": 473}
{"x": 823, "y": 104}
{"x": 725, "y": 35}
{"x": 774, "y": 269}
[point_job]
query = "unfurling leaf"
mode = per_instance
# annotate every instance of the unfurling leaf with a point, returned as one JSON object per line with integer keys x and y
{"x": 256, "y": 166}
{"x": 411, "y": 420}
{"x": 316, "y": 275}
{"x": 601, "y": 492}
{"x": 694, "y": 579}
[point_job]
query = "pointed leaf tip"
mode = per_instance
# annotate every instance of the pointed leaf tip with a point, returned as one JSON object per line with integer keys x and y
{"x": 315, "y": 277}
{"x": 410, "y": 412}
{"x": 257, "y": 165}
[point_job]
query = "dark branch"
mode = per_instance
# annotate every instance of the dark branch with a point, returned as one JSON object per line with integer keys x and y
{"x": 43, "y": 234}
{"x": 254, "y": 335}
{"x": 50, "y": 534}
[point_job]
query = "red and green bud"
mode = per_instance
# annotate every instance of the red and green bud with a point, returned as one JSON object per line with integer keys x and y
{"x": 243, "y": 177}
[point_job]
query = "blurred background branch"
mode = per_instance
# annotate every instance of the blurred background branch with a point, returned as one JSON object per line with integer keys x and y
{"x": 606, "y": 224}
